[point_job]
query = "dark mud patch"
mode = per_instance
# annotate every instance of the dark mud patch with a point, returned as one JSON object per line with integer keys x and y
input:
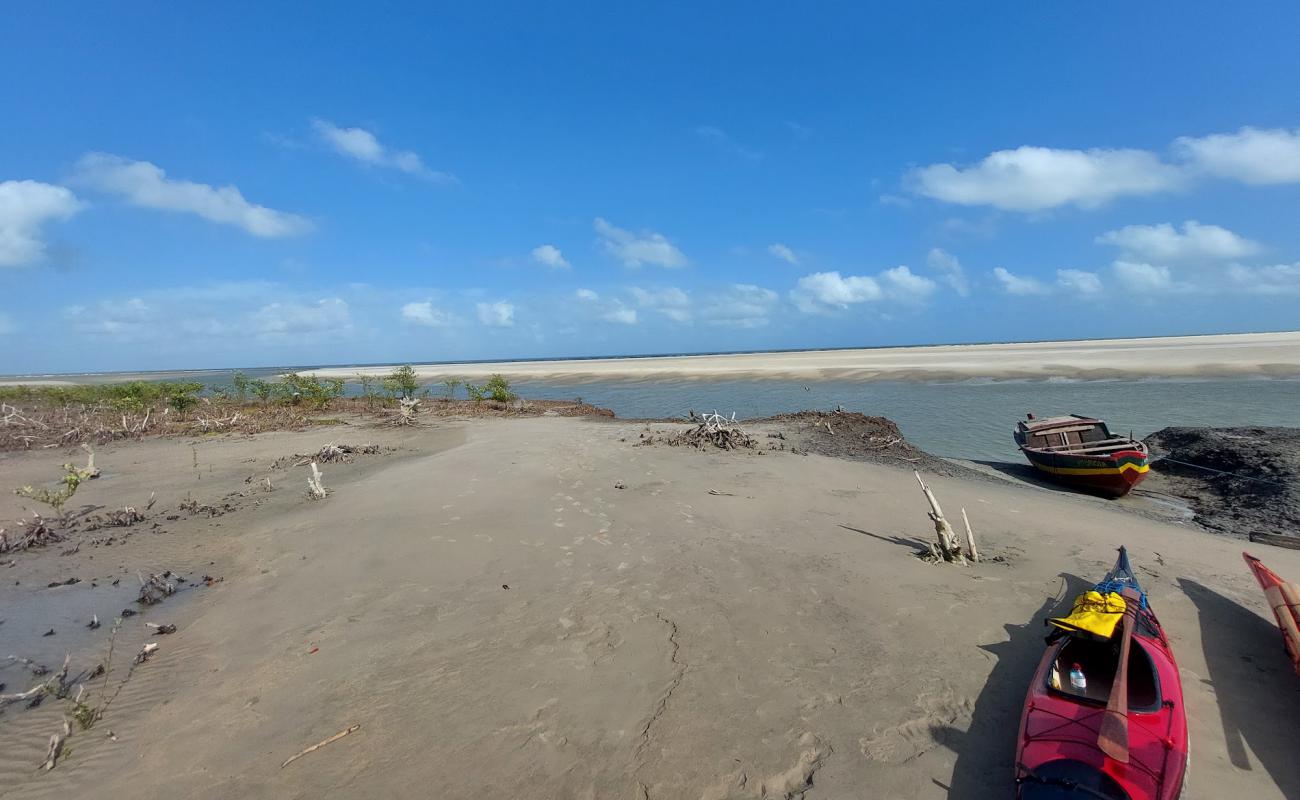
{"x": 1238, "y": 481}
{"x": 858, "y": 437}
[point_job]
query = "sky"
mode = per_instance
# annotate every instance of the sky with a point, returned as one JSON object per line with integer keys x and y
{"x": 235, "y": 184}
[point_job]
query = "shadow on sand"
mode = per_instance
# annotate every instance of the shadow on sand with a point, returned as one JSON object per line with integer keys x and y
{"x": 901, "y": 541}
{"x": 986, "y": 751}
{"x": 1257, "y": 692}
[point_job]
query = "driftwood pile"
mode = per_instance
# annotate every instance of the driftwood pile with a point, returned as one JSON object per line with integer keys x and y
{"x": 712, "y": 431}
{"x": 34, "y": 532}
{"x": 156, "y": 588}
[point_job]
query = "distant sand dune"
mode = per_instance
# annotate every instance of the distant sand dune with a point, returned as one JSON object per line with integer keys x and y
{"x": 1229, "y": 355}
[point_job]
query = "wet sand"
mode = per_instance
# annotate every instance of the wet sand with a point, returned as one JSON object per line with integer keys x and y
{"x": 1229, "y": 355}
{"x": 654, "y": 641}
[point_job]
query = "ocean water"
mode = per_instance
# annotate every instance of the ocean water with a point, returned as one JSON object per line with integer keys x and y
{"x": 967, "y": 419}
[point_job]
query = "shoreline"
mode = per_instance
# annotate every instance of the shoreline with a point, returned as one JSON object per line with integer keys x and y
{"x": 1214, "y": 356}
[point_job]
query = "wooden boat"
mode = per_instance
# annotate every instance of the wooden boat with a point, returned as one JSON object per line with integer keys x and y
{"x": 1082, "y": 452}
{"x": 1284, "y": 599}
{"x": 1124, "y": 736}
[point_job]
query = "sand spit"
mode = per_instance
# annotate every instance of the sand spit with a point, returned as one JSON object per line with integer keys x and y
{"x": 1231, "y": 355}
{"x": 535, "y": 607}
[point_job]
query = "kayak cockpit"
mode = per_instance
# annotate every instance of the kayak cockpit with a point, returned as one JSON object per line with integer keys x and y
{"x": 1098, "y": 661}
{"x": 1067, "y": 779}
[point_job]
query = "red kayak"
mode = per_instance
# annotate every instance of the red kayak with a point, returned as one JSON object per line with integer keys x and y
{"x": 1107, "y": 732}
{"x": 1284, "y": 599}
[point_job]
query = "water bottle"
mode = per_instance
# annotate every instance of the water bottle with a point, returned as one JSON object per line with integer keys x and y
{"x": 1077, "y": 681}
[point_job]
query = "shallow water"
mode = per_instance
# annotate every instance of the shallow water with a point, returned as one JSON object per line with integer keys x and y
{"x": 970, "y": 419}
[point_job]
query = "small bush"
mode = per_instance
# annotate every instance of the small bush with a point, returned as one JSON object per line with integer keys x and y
{"x": 240, "y": 383}
{"x": 401, "y": 382}
{"x": 449, "y": 387}
{"x": 498, "y": 388}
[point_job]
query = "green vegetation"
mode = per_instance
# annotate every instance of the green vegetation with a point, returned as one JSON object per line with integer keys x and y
{"x": 133, "y": 396}
{"x": 57, "y": 498}
{"x": 367, "y": 388}
{"x": 496, "y": 388}
{"x": 449, "y": 387}
{"x": 308, "y": 389}
{"x": 401, "y": 382}
{"x": 241, "y": 384}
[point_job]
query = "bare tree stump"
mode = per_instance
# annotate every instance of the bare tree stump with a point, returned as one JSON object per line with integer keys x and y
{"x": 948, "y": 548}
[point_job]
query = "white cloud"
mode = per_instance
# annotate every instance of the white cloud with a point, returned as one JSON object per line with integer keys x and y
{"x": 550, "y": 255}
{"x": 619, "y": 313}
{"x": 426, "y": 314}
{"x": 742, "y": 305}
{"x": 784, "y": 253}
{"x": 672, "y": 302}
{"x": 496, "y": 315}
{"x": 1078, "y": 281}
{"x": 901, "y": 284}
{"x": 146, "y": 185}
{"x": 635, "y": 249}
{"x": 949, "y": 268}
{"x": 1163, "y": 242}
{"x": 1141, "y": 277}
{"x": 362, "y": 145}
{"x": 1018, "y": 285}
{"x": 823, "y": 291}
{"x": 330, "y": 314}
{"x": 25, "y": 206}
{"x": 1250, "y": 155}
{"x": 1039, "y": 178}
{"x": 611, "y": 311}
{"x": 1270, "y": 280}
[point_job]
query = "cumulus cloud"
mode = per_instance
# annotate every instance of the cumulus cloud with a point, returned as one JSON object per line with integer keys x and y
{"x": 1039, "y": 178}
{"x": 948, "y": 268}
{"x": 635, "y": 249}
{"x": 1141, "y": 277}
{"x": 25, "y": 207}
{"x": 1196, "y": 242}
{"x": 361, "y": 145}
{"x": 426, "y": 314}
{"x": 784, "y": 253}
{"x": 821, "y": 292}
{"x": 496, "y": 315}
{"x": 1250, "y": 155}
{"x": 120, "y": 319}
{"x": 550, "y": 255}
{"x": 146, "y": 185}
{"x": 330, "y": 314}
{"x": 1078, "y": 281}
{"x": 901, "y": 284}
{"x": 742, "y": 305}
{"x": 1019, "y": 285}
{"x": 1271, "y": 280}
{"x": 672, "y": 302}
{"x": 609, "y": 311}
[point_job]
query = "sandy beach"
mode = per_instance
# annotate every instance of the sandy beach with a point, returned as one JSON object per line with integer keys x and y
{"x": 1229, "y": 355}
{"x": 538, "y": 607}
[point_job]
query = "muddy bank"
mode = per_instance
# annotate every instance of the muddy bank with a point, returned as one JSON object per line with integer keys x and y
{"x": 1238, "y": 481}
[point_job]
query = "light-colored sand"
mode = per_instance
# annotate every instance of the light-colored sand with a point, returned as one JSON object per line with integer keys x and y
{"x": 655, "y": 641}
{"x": 1271, "y": 354}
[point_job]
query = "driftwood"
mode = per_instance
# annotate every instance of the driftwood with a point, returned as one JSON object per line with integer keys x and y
{"x": 947, "y": 548}
{"x": 161, "y": 629}
{"x": 315, "y": 489}
{"x": 406, "y": 410}
{"x": 56, "y": 746}
{"x": 1275, "y": 539}
{"x": 319, "y": 745}
{"x": 712, "y": 430}
{"x": 146, "y": 651}
{"x": 155, "y": 589}
{"x": 971, "y": 552}
{"x": 34, "y": 532}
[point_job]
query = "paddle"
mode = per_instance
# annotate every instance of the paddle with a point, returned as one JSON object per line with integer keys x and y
{"x": 1112, "y": 737}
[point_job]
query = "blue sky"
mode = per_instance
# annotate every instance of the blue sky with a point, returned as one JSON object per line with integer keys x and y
{"x": 241, "y": 185}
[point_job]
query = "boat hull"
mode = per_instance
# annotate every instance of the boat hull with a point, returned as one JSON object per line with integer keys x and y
{"x": 1112, "y": 475}
{"x": 1280, "y": 596}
